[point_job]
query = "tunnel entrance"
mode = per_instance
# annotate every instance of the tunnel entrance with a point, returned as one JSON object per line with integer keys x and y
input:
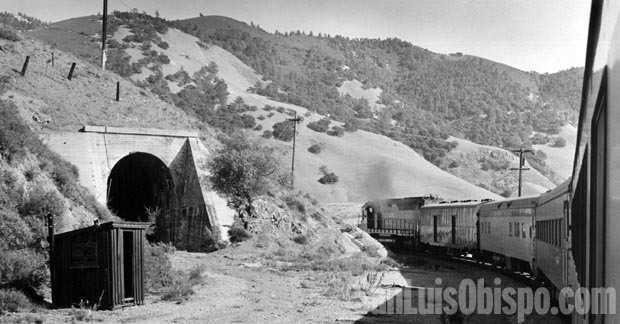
{"x": 141, "y": 189}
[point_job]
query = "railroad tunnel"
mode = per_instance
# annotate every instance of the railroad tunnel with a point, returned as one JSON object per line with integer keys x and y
{"x": 141, "y": 189}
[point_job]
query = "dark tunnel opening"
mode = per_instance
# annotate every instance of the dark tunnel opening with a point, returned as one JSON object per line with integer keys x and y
{"x": 139, "y": 185}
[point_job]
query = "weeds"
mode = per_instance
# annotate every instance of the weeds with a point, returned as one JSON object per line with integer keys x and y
{"x": 12, "y": 301}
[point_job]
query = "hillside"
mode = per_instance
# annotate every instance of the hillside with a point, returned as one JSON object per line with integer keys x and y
{"x": 489, "y": 167}
{"x": 368, "y": 165}
{"x": 428, "y": 96}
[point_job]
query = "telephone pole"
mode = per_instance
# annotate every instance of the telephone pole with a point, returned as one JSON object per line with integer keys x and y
{"x": 521, "y": 167}
{"x": 104, "y": 32}
{"x": 295, "y": 120}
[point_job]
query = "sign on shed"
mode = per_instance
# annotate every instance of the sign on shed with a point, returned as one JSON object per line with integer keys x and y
{"x": 99, "y": 265}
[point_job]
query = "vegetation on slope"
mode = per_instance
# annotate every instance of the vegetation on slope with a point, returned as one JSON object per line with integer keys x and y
{"x": 427, "y": 96}
{"x": 34, "y": 182}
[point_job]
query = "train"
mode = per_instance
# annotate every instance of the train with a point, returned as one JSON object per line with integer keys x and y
{"x": 523, "y": 234}
{"x": 567, "y": 236}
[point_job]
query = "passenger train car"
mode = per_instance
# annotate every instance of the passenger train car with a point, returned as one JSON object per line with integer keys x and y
{"x": 506, "y": 232}
{"x": 449, "y": 224}
{"x": 595, "y": 183}
{"x": 551, "y": 244}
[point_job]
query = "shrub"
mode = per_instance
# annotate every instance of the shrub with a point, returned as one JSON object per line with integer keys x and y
{"x": 8, "y": 34}
{"x": 195, "y": 274}
{"x": 281, "y": 110}
{"x": 267, "y": 134}
{"x": 163, "y": 45}
{"x": 351, "y": 125}
{"x": 336, "y": 131}
{"x": 258, "y": 128}
{"x": 283, "y": 131}
{"x": 261, "y": 117}
{"x": 240, "y": 170}
{"x": 329, "y": 178}
{"x": 23, "y": 268}
{"x": 294, "y": 203}
{"x": 158, "y": 272}
{"x": 238, "y": 234}
{"x": 163, "y": 59}
{"x": 40, "y": 203}
{"x": 559, "y": 142}
{"x": 12, "y": 301}
{"x": 301, "y": 239}
{"x": 315, "y": 149}
{"x": 15, "y": 232}
{"x": 179, "y": 290}
{"x": 248, "y": 121}
{"x": 320, "y": 126}
{"x": 539, "y": 138}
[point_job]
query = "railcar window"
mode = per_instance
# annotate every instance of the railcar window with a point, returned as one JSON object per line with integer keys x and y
{"x": 523, "y": 231}
{"x": 509, "y": 228}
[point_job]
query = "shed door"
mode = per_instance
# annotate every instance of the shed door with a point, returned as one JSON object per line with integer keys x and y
{"x": 435, "y": 228}
{"x": 453, "y": 229}
{"x": 128, "y": 266}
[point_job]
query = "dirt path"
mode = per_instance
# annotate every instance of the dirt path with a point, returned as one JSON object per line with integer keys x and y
{"x": 240, "y": 287}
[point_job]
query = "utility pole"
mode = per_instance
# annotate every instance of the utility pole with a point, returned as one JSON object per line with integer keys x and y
{"x": 104, "y": 32}
{"x": 521, "y": 167}
{"x": 295, "y": 120}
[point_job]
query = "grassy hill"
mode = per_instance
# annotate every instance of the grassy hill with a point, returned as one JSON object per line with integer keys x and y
{"x": 185, "y": 71}
{"x": 428, "y": 96}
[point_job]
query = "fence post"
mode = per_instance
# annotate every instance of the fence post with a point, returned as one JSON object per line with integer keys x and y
{"x": 71, "y": 71}
{"x": 52, "y": 59}
{"x": 25, "y": 66}
{"x": 118, "y": 90}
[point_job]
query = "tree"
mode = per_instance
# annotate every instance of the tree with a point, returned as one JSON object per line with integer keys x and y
{"x": 240, "y": 170}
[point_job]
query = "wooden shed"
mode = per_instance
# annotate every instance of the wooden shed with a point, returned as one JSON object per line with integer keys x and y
{"x": 101, "y": 264}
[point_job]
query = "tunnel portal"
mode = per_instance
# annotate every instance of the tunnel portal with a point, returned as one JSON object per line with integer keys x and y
{"x": 139, "y": 184}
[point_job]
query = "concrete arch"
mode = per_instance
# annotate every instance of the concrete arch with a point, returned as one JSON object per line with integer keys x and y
{"x": 140, "y": 187}
{"x": 197, "y": 215}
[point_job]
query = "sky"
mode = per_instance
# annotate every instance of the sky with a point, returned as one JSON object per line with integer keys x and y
{"x": 532, "y": 35}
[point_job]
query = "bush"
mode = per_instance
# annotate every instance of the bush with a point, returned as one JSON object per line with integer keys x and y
{"x": 163, "y": 59}
{"x": 15, "y": 232}
{"x": 336, "y": 131}
{"x": 9, "y": 34}
{"x": 258, "y": 128}
{"x": 559, "y": 142}
{"x": 248, "y": 121}
{"x": 163, "y": 45}
{"x": 23, "y": 268}
{"x": 329, "y": 178}
{"x": 315, "y": 149}
{"x": 320, "y": 126}
{"x": 283, "y": 131}
{"x": 301, "y": 239}
{"x": 158, "y": 272}
{"x": 267, "y": 134}
{"x": 238, "y": 234}
{"x": 240, "y": 170}
{"x": 351, "y": 125}
{"x": 179, "y": 290}
{"x": 40, "y": 203}
{"x": 294, "y": 203}
{"x": 12, "y": 301}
